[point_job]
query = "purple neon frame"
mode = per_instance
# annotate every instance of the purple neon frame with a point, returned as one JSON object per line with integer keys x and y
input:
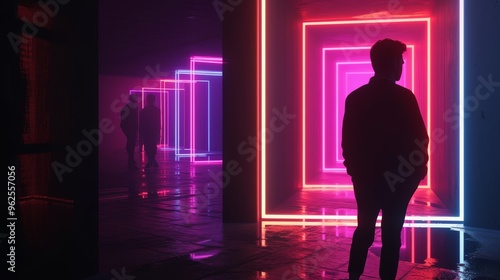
{"x": 366, "y": 65}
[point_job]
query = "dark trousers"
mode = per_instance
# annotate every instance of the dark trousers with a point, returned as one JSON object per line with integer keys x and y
{"x": 150, "y": 147}
{"x": 130, "y": 146}
{"x": 371, "y": 197}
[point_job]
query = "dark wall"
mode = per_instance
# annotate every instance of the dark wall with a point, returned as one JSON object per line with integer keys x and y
{"x": 52, "y": 98}
{"x": 444, "y": 130}
{"x": 136, "y": 39}
{"x": 283, "y": 137}
{"x": 241, "y": 142}
{"x": 239, "y": 171}
{"x": 482, "y": 118}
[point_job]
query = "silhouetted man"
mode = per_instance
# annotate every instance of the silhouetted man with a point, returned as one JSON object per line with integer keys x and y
{"x": 149, "y": 129}
{"x": 129, "y": 121}
{"x": 384, "y": 142}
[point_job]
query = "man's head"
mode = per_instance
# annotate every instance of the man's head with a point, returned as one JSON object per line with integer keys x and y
{"x": 387, "y": 58}
{"x": 150, "y": 99}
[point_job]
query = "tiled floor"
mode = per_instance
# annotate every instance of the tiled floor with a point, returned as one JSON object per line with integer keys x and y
{"x": 164, "y": 224}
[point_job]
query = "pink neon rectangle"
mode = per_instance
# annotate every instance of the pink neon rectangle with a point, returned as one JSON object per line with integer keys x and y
{"x": 167, "y": 88}
{"x": 194, "y": 61}
{"x": 352, "y": 57}
{"x": 263, "y": 25}
{"x": 358, "y": 67}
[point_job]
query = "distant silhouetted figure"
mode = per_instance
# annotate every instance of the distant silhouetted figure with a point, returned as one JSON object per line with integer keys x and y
{"x": 384, "y": 142}
{"x": 129, "y": 121}
{"x": 149, "y": 129}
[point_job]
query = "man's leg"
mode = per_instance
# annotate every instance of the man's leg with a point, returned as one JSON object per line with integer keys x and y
{"x": 364, "y": 234}
{"x": 393, "y": 217}
{"x": 154, "y": 150}
{"x": 148, "y": 149}
{"x": 130, "y": 147}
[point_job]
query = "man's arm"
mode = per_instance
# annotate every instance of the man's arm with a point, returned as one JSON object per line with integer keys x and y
{"x": 421, "y": 135}
{"x": 158, "y": 120}
{"x": 348, "y": 136}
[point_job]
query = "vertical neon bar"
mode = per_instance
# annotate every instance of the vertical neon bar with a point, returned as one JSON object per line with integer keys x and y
{"x": 461, "y": 105}
{"x": 303, "y": 104}
{"x": 259, "y": 212}
{"x": 413, "y": 244}
{"x": 323, "y": 113}
{"x": 166, "y": 134}
{"x": 413, "y": 72}
{"x": 336, "y": 110}
{"x": 162, "y": 119}
{"x": 165, "y": 130}
{"x": 208, "y": 122}
{"x": 192, "y": 113}
{"x": 429, "y": 126}
{"x": 263, "y": 103}
{"x": 176, "y": 105}
{"x": 429, "y": 255}
{"x": 461, "y": 250}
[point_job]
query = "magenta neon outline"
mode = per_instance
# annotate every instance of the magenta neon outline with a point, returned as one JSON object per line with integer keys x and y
{"x": 324, "y": 168}
{"x": 342, "y": 169}
{"x": 192, "y": 154}
{"x": 192, "y": 68}
{"x": 164, "y": 91}
{"x": 321, "y": 219}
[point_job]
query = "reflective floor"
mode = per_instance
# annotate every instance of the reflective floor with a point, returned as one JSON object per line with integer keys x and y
{"x": 341, "y": 201}
{"x": 167, "y": 224}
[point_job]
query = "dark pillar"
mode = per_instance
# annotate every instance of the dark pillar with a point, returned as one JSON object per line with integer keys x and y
{"x": 482, "y": 119}
{"x": 240, "y": 112}
{"x": 52, "y": 98}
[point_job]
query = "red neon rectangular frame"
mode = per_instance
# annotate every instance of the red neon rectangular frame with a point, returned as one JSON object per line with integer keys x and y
{"x": 366, "y": 66}
{"x": 261, "y": 99}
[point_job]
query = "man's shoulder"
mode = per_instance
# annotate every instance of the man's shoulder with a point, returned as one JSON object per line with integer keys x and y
{"x": 371, "y": 88}
{"x": 359, "y": 91}
{"x": 402, "y": 89}
{"x": 126, "y": 107}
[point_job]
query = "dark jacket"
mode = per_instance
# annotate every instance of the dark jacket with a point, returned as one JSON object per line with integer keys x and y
{"x": 149, "y": 124}
{"x": 382, "y": 121}
{"x": 129, "y": 118}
